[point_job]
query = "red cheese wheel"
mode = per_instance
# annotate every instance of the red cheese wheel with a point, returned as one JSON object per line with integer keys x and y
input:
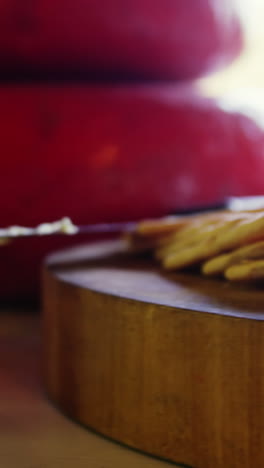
{"x": 102, "y": 154}
{"x": 168, "y": 39}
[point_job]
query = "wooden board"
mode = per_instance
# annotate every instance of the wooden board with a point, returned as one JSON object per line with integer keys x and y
{"x": 33, "y": 433}
{"x": 171, "y": 364}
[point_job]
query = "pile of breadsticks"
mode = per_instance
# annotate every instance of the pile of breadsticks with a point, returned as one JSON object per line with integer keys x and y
{"x": 227, "y": 243}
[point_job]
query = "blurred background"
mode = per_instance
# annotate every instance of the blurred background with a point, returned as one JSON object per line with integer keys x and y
{"x": 248, "y": 70}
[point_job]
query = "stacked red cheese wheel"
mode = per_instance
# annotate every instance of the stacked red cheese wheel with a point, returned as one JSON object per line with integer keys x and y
{"x": 150, "y": 39}
{"x": 114, "y": 152}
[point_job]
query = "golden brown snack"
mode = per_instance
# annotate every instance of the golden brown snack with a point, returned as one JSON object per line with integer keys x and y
{"x": 218, "y": 241}
{"x": 219, "y": 264}
{"x": 162, "y": 226}
{"x": 225, "y": 242}
{"x": 248, "y": 271}
{"x": 249, "y": 230}
{"x": 195, "y": 231}
{"x": 206, "y": 245}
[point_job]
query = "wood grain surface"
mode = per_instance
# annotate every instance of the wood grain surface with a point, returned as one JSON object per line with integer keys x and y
{"x": 33, "y": 434}
{"x": 169, "y": 364}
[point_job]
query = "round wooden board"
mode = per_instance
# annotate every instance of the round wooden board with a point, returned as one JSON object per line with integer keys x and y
{"x": 171, "y": 364}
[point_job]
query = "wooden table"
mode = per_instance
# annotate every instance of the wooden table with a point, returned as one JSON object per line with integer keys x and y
{"x": 34, "y": 434}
